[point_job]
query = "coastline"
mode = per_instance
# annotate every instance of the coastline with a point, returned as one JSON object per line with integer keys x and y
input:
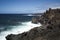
{"x": 25, "y": 27}
{"x": 50, "y": 29}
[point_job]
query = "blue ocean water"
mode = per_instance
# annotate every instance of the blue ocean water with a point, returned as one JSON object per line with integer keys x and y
{"x": 7, "y": 20}
{"x": 15, "y": 23}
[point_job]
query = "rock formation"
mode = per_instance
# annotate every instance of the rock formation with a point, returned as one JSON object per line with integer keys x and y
{"x": 50, "y": 29}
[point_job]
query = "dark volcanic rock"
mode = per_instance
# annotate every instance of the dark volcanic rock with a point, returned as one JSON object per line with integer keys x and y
{"x": 50, "y": 29}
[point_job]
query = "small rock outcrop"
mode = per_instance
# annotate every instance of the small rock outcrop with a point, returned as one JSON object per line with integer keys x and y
{"x": 50, "y": 29}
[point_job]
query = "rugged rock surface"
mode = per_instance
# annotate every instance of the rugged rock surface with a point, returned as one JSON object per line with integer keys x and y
{"x": 50, "y": 29}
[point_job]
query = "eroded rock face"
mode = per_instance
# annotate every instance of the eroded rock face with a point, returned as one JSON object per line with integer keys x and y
{"x": 50, "y": 29}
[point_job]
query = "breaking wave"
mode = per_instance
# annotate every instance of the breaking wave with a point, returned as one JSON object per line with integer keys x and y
{"x": 24, "y": 27}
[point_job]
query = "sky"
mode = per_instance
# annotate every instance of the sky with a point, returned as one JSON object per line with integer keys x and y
{"x": 27, "y": 6}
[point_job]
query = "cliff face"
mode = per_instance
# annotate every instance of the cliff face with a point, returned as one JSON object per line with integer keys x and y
{"x": 50, "y": 29}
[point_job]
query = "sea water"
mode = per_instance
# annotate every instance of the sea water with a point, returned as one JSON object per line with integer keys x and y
{"x": 15, "y": 24}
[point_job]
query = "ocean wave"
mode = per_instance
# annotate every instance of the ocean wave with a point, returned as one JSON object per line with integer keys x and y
{"x": 26, "y": 26}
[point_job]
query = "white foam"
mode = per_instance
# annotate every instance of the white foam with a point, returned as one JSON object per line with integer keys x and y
{"x": 26, "y": 26}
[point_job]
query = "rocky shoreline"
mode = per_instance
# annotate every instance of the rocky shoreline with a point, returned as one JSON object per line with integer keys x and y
{"x": 50, "y": 29}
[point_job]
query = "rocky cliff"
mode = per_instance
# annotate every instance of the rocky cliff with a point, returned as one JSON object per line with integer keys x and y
{"x": 50, "y": 29}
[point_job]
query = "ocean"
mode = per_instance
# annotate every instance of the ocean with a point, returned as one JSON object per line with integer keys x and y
{"x": 15, "y": 24}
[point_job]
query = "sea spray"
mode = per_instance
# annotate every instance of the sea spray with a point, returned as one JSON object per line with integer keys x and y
{"x": 26, "y": 26}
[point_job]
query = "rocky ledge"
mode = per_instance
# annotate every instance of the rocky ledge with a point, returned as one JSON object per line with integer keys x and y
{"x": 50, "y": 29}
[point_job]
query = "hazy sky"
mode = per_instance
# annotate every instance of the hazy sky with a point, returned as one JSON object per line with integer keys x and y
{"x": 27, "y": 6}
